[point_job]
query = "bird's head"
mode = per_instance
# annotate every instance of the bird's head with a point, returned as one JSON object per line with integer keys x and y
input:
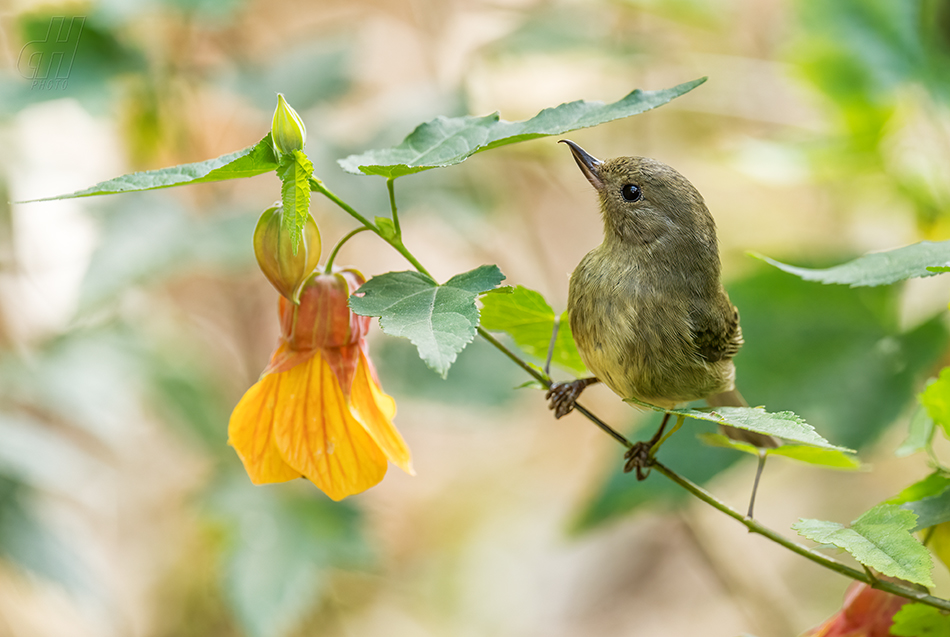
{"x": 644, "y": 201}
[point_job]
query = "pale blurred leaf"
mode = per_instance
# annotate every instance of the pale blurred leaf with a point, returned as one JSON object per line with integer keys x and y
{"x": 282, "y": 543}
{"x": 920, "y": 434}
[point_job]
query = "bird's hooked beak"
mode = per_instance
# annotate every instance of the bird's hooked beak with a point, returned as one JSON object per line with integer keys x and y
{"x": 589, "y": 165}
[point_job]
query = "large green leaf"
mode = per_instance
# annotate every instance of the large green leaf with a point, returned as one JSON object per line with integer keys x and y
{"x": 878, "y": 268}
{"x": 446, "y": 141}
{"x": 524, "y": 315}
{"x": 282, "y": 543}
{"x": 440, "y": 320}
{"x": 880, "y": 539}
{"x": 784, "y": 424}
{"x": 251, "y": 161}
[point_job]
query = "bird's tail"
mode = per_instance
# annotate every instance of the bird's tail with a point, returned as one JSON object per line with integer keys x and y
{"x": 733, "y": 398}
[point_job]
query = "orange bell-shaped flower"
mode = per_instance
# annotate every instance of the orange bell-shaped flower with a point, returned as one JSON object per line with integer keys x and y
{"x": 318, "y": 410}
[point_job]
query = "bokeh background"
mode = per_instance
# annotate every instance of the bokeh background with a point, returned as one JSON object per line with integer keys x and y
{"x": 130, "y": 325}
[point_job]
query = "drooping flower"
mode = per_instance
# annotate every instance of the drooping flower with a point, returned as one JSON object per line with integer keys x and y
{"x": 318, "y": 410}
{"x": 866, "y": 612}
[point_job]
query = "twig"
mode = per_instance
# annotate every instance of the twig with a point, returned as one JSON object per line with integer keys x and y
{"x": 811, "y": 554}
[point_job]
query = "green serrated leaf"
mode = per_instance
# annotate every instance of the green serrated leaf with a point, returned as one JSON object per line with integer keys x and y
{"x": 880, "y": 268}
{"x": 831, "y": 458}
{"x": 524, "y": 315}
{"x": 294, "y": 171}
{"x": 920, "y": 434}
{"x": 440, "y": 320}
{"x": 446, "y": 141}
{"x": 251, "y": 161}
{"x": 920, "y": 620}
{"x": 784, "y": 424}
{"x": 880, "y": 539}
{"x": 936, "y": 399}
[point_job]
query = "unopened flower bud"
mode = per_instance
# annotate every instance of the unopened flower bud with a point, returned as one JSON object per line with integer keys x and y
{"x": 287, "y": 129}
{"x": 323, "y": 318}
{"x": 274, "y": 248}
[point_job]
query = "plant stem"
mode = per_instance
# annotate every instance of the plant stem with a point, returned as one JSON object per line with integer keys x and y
{"x": 339, "y": 245}
{"x": 811, "y": 554}
{"x": 317, "y": 186}
{"x": 391, "y": 186}
{"x": 396, "y": 242}
{"x": 544, "y": 380}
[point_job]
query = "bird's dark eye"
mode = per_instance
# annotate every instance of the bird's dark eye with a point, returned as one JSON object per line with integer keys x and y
{"x": 631, "y": 192}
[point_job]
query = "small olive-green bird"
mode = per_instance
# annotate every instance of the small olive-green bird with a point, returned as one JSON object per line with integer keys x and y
{"x": 647, "y": 309}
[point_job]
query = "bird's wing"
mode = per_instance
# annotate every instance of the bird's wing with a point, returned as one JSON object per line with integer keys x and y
{"x": 716, "y": 335}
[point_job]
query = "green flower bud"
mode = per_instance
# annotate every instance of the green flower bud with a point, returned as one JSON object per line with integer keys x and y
{"x": 287, "y": 129}
{"x": 275, "y": 252}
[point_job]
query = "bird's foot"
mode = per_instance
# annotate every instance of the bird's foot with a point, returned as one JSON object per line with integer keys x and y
{"x": 563, "y": 396}
{"x": 639, "y": 457}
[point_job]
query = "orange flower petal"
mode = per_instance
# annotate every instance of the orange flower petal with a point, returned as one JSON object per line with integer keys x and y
{"x": 250, "y": 432}
{"x": 317, "y": 435}
{"x": 284, "y": 358}
{"x": 376, "y": 410}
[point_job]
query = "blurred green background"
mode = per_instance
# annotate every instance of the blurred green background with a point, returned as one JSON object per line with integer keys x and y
{"x": 131, "y": 325}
